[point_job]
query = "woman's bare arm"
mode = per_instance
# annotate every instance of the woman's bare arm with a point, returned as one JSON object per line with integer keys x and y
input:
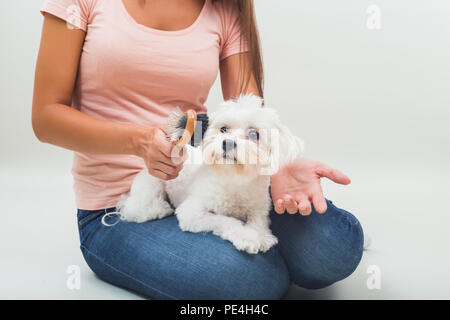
{"x": 230, "y": 80}
{"x": 55, "y": 122}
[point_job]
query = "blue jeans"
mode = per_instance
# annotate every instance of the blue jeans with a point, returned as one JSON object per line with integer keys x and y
{"x": 158, "y": 260}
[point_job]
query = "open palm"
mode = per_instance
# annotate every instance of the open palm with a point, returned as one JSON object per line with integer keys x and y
{"x": 296, "y": 186}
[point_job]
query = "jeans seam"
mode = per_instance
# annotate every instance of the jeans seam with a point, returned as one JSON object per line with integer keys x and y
{"x": 91, "y": 215}
{"x": 89, "y": 218}
{"x": 127, "y": 275}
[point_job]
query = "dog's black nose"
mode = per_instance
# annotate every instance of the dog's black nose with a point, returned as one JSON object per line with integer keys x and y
{"x": 228, "y": 145}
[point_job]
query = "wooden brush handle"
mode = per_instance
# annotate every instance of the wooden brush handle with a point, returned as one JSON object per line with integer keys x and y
{"x": 189, "y": 130}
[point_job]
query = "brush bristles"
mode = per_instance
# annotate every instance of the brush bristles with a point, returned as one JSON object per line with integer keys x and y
{"x": 176, "y": 124}
{"x": 173, "y": 128}
{"x": 200, "y": 129}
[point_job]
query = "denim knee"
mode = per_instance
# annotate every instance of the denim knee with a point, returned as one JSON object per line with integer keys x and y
{"x": 333, "y": 252}
{"x": 265, "y": 278}
{"x": 239, "y": 277}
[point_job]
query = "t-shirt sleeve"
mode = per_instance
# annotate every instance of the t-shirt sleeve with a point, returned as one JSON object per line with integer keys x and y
{"x": 74, "y": 12}
{"x": 231, "y": 30}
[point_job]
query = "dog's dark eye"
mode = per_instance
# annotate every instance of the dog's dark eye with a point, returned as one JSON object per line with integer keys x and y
{"x": 223, "y": 129}
{"x": 253, "y": 134}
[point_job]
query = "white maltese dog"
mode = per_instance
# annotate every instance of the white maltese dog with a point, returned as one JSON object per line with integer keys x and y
{"x": 223, "y": 187}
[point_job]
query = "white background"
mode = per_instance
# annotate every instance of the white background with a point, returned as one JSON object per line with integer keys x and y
{"x": 373, "y": 103}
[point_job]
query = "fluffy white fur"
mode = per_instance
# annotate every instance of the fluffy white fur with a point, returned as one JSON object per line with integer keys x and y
{"x": 221, "y": 190}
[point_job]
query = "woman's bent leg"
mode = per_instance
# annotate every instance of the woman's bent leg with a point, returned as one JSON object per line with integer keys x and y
{"x": 319, "y": 249}
{"x": 159, "y": 260}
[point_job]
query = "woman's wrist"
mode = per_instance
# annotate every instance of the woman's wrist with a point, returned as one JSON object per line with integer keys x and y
{"x": 139, "y": 140}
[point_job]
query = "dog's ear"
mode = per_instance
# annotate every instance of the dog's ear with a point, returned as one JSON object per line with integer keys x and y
{"x": 282, "y": 145}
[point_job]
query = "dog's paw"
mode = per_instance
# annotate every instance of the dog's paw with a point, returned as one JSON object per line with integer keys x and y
{"x": 154, "y": 211}
{"x": 244, "y": 239}
{"x": 163, "y": 210}
{"x": 267, "y": 241}
{"x": 187, "y": 226}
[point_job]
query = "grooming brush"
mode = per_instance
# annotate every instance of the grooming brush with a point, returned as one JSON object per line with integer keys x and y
{"x": 186, "y": 128}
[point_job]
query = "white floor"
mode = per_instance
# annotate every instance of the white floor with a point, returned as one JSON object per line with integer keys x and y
{"x": 407, "y": 217}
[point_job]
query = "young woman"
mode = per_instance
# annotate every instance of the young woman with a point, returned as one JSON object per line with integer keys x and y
{"x": 107, "y": 76}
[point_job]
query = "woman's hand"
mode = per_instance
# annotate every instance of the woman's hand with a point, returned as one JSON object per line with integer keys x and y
{"x": 297, "y": 185}
{"x": 162, "y": 158}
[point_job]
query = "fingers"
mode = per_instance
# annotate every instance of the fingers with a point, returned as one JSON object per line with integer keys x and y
{"x": 177, "y": 158}
{"x": 163, "y": 160}
{"x": 159, "y": 174}
{"x": 290, "y": 204}
{"x": 168, "y": 153}
{"x": 287, "y": 203}
{"x": 279, "y": 206}
{"x": 304, "y": 207}
{"x": 320, "y": 205}
{"x": 332, "y": 174}
{"x": 178, "y": 155}
{"x": 171, "y": 171}
{"x": 163, "y": 144}
{"x": 160, "y": 157}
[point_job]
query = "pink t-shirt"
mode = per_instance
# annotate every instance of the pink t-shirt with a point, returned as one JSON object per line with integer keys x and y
{"x": 131, "y": 73}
